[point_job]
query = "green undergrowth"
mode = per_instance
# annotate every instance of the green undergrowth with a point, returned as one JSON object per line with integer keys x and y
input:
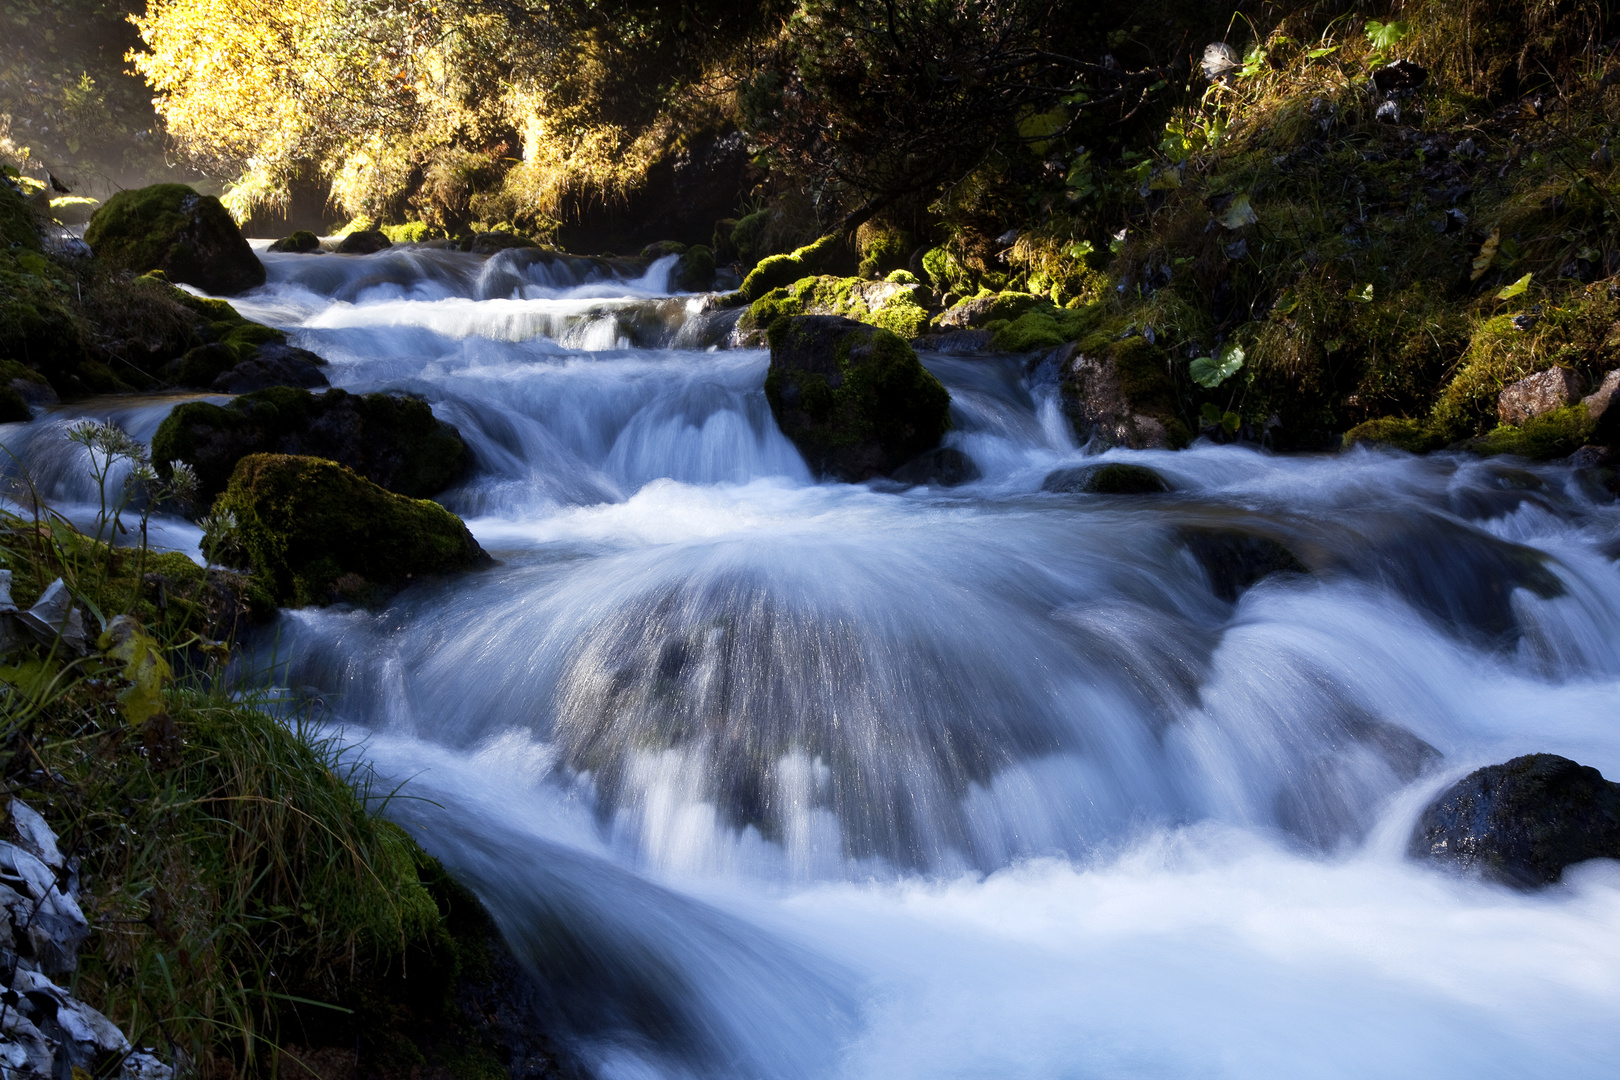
{"x": 247, "y": 903}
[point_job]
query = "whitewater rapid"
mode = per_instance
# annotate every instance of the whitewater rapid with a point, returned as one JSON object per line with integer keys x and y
{"x": 776, "y": 778}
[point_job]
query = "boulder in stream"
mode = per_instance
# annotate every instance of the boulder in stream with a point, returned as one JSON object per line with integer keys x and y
{"x": 1235, "y": 560}
{"x": 364, "y": 242}
{"x": 302, "y": 242}
{"x": 170, "y": 227}
{"x": 853, "y": 398}
{"x": 314, "y": 532}
{"x": 1108, "y": 478}
{"x": 1522, "y": 822}
{"x": 392, "y": 440}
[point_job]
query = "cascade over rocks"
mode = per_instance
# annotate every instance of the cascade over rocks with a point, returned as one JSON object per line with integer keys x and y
{"x": 170, "y": 227}
{"x": 853, "y": 398}
{"x": 315, "y": 532}
{"x": 1521, "y": 823}
{"x": 392, "y": 440}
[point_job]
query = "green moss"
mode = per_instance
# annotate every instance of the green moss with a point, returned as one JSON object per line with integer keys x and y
{"x": 1413, "y": 436}
{"x": 411, "y": 232}
{"x": 1024, "y": 323}
{"x": 170, "y": 227}
{"x": 779, "y": 270}
{"x": 745, "y": 236}
{"x": 900, "y": 314}
{"x": 903, "y": 318}
{"x": 134, "y": 229}
{"x": 314, "y": 532}
{"x": 882, "y": 248}
{"x": 18, "y": 228}
{"x": 902, "y": 277}
{"x": 1550, "y": 435}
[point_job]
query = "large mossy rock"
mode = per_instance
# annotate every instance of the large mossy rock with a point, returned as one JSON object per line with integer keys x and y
{"x": 1522, "y": 822}
{"x": 392, "y": 440}
{"x": 170, "y": 227}
{"x": 853, "y": 398}
{"x": 315, "y": 532}
{"x": 1117, "y": 391}
{"x": 19, "y": 226}
{"x": 829, "y": 255}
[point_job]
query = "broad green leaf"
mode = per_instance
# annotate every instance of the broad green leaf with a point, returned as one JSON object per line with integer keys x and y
{"x": 1239, "y": 213}
{"x": 1385, "y": 35}
{"x": 1365, "y": 295}
{"x": 1317, "y": 54}
{"x": 142, "y": 665}
{"x": 1515, "y": 289}
{"x": 1231, "y": 422}
{"x": 1210, "y": 371}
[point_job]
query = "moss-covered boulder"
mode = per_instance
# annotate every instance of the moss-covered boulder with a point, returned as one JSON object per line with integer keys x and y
{"x": 392, "y": 440}
{"x": 364, "y": 242}
{"x": 1522, "y": 822}
{"x": 315, "y": 532}
{"x": 695, "y": 271}
{"x": 853, "y": 398}
{"x": 302, "y": 242}
{"x": 1117, "y": 390}
{"x": 1395, "y": 432}
{"x": 897, "y": 307}
{"x": 825, "y": 256}
{"x": 1108, "y": 478}
{"x": 170, "y": 227}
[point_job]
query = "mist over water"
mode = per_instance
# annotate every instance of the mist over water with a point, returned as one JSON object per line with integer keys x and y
{"x": 772, "y": 778}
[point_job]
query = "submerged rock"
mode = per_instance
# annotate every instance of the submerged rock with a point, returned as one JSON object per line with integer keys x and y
{"x": 170, "y": 227}
{"x": 364, "y": 242}
{"x": 1236, "y": 560}
{"x": 315, "y": 532}
{"x": 302, "y": 242}
{"x": 1521, "y": 823}
{"x": 1111, "y": 478}
{"x": 392, "y": 440}
{"x": 944, "y": 466}
{"x": 1537, "y": 394}
{"x": 853, "y": 398}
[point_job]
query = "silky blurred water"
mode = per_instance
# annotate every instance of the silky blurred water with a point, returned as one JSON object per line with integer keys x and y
{"x": 778, "y": 778}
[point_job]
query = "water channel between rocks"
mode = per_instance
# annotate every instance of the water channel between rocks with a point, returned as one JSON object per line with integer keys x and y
{"x": 777, "y": 778}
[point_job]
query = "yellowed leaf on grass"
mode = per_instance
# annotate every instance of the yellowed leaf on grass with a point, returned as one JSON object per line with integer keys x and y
{"x": 1487, "y": 254}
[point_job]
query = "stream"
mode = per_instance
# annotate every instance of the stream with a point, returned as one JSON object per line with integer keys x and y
{"x": 772, "y": 778}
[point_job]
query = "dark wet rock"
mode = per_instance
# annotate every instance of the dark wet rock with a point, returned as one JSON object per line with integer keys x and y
{"x": 314, "y": 532}
{"x": 272, "y": 365}
{"x": 1116, "y": 392}
{"x": 364, "y": 242}
{"x": 853, "y": 398}
{"x": 1399, "y": 79}
{"x": 491, "y": 242}
{"x": 1537, "y": 394}
{"x": 1521, "y": 823}
{"x": 390, "y": 439}
{"x": 1111, "y": 478}
{"x": 1495, "y": 490}
{"x": 302, "y": 242}
{"x": 944, "y": 466}
{"x": 191, "y": 238}
{"x": 1462, "y": 576}
{"x": 695, "y": 270}
{"x": 1235, "y": 560}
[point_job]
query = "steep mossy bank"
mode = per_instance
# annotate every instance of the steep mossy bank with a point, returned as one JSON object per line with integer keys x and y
{"x": 251, "y": 913}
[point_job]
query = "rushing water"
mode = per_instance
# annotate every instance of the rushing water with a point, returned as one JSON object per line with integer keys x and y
{"x": 777, "y": 778}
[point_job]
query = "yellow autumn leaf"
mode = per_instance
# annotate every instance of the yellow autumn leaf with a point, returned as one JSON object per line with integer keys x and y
{"x": 1487, "y": 254}
{"x": 141, "y": 664}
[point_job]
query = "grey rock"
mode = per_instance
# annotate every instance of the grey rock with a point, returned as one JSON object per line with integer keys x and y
{"x": 1220, "y": 60}
{"x": 1537, "y": 394}
{"x": 54, "y": 614}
